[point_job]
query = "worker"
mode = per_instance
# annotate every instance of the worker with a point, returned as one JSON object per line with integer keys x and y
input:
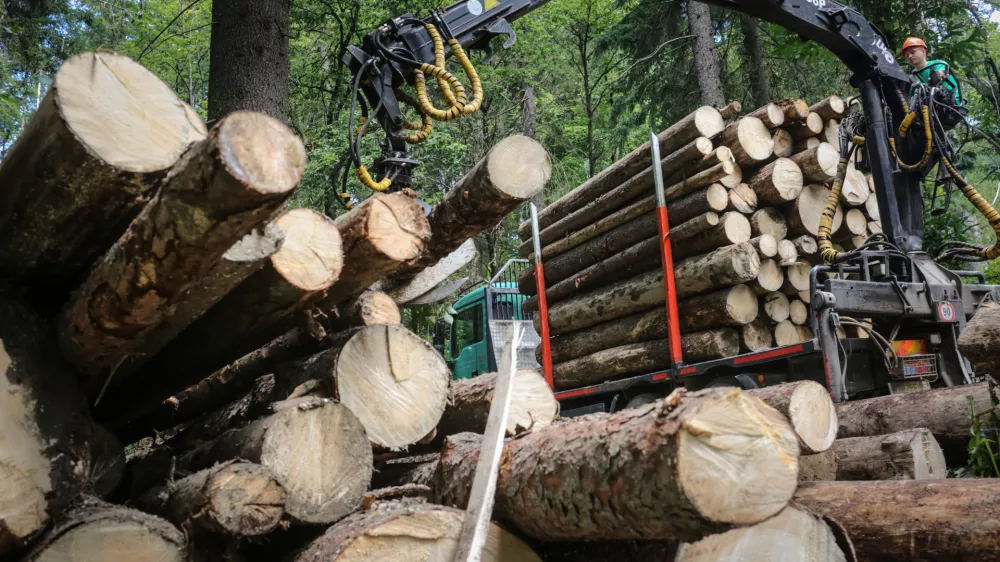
{"x": 934, "y": 73}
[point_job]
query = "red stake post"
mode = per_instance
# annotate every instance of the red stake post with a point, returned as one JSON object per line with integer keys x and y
{"x": 543, "y": 306}
{"x": 666, "y": 256}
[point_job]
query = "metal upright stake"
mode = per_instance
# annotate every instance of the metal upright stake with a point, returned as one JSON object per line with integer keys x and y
{"x": 543, "y": 306}
{"x": 666, "y": 256}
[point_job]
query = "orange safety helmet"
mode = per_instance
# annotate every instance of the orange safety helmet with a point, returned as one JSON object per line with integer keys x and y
{"x": 913, "y": 42}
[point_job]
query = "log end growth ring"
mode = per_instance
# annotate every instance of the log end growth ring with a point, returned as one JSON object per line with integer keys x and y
{"x": 519, "y": 167}
{"x": 535, "y": 407}
{"x": 128, "y": 540}
{"x": 311, "y": 256}
{"x": 755, "y": 138}
{"x": 397, "y": 227}
{"x": 737, "y": 459}
{"x": 124, "y": 115}
{"x": 813, "y": 417}
{"x": 261, "y": 151}
{"x": 246, "y": 500}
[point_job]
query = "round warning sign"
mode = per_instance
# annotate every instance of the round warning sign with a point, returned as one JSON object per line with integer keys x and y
{"x": 946, "y": 312}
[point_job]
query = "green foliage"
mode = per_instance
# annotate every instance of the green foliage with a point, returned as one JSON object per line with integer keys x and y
{"x": 982, "y": 456}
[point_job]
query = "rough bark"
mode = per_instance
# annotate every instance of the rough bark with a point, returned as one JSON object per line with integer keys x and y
{"x": 248, "y": 58}
{"x": 714, "y": 198}
{"x": 253, "y": 405}
{"x": 756, "y": 336}
{"x": 232, "y": 498}
{"x": 401, "y": 531}
{"x": 914, "y": 520}
{"x": 220, "y": 190}
{"x": 776, "y": 307}
{"x": 734, "y": 306}
{"x": 532, "y": 405}
{"x": 770, "y": 278}
{"x": 770, "y": 114}
{"x": 731, "y": 265}
{"x": 777, "y": 183}
{"x": 803, "y": 214}
{"x": 818, "y": 467}
{"x": 805, "y": 144}
{"x": 753, "y": 53}
{"x": 981, "y": 340}
{"x": 706, "y": 61}
{"x": 811, "y": 126}
{"x": 793, "y": 534}
{"x": 832, "y": 107}
{"x": 769, "y": 221}
{"x": 818, "y": 164}
{"x": 749, "y": 140}
{"x": 809, "y": 409}
{"x": 733, "y": 228}
{"x": 766, "y": 246}
{"x": 98, "y": 531}
{"x": 743, "y": 199}
{"x": 613, "y": 500}
{"x": 912, "y": 454}
{"x": 369, "y": 309}
{"x": 316, "y": 449}
{"x": 703, "y": 122}
{"x": 70, "y": 185}
{"x": 52, "y": 451}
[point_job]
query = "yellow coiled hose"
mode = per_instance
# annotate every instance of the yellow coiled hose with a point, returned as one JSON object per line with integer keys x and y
{"x": 981, "y": 205}
{"x": 826, "y": 250}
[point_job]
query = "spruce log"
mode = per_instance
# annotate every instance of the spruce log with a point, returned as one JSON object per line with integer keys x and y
{"x": 726, "y": 266}
{"x": 831, "y": 133}
{"x": 743, "y": 199}
{"x": 832, "y": 107}
{"x": 822, "y": 466}
{"x": 308, "y": 263}
{"x": 794, "y": 109}
{"x": 95, "y": 151}
{"x": 805, "y": 144}
{"x": 749, "y": 140}
{"x": 715, "y": 198}
{"x": 427, "y": 281}
{"x": 623, "y": 196}
{"x": 805, "y": 297}
{"x": 734, "y": 178}
{"x": 99, "y": 531}
{"x": 786, "y": 333}
{"x": 871, "y": 204}
{"x": 912, "y": 454}
{"x": 369, "y": 309}
{"x": 253, "y": 405}
{"x": 777, "y": 183}
{"x": 875, "y": 227}
{"x": 532, "y": 405}
{"x": 643, "y": 358}
{"x": 798, "y": 312}
{"x": 770, "y": 278}
{"x": 769, "y": 221}
{"x": 803, "y": 214}
{"x": 703, "y": 122}
{"x": 776, "y": 307}
{"x": 784, "y": 144}
{"x": 855, "y": 191}
{"x": 811, "y": 126}
{"x": 316, "y": 449}
{"x": 809, "y": 409}
{"x": 721, "y": 155}
{"x": 756, "y": 336}
{"x": 734, "y": 306}
{"x": 766, "y": 246}
{"x": 818, "y": 164}
{"x": 731, "y": 110}
{"x": 793, "y": 534}
{"x": 913, "y": 520}
{"x": 855, "y": 224}
{"x": 733, "y": 228}
{"x": 405, "y": 531}
{"x": 806, "y": 246}
{"x": 771, "y": 115}
{"x": 797, "y": 278}
{"x": 944, "y": 411}
{"x": 383, "y": 234}
{"x": 52, "y": 451}
{"x": 224, "y": 187}
{"x": 748, "y": 480}
{"x": 788, "y": 253}
{"x": 635, "y": 260}
{"x": 232, "y": 498}
{"x": 406, "y": 471}
{"x": 981, "y": 340}
{"x": 512, "y": 172}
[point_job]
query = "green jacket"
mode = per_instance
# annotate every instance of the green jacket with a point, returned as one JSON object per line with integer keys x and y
{"x": 950, "y": 84}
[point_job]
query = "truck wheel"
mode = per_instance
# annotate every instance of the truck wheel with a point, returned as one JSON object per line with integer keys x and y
{"x": 643, "y": 399}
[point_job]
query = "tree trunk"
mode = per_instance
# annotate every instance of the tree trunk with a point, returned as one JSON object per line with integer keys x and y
{"x": 687, "y": 500}
{"x": 248, "y": 62}
{"x": 756, "y": 336}
{"x": 769, "y": 221}
{"x": 749, "y": 140}
{"x": 798, "y": 312}
{"x": 706, "y": 61}
{"x": 730, "y": 265}
{"x": 777, "y": 183}
{"x": 912, "y": 454}
{"x": 743, "y": 199}
{"x": 735, "y": 306}
{"x": 776, "y": 307}
{"x": 766, "y": 246}
{"x": 803, "y": 214}
{"x": 513, "y": 171}
{"x": 303, "y": 444}
{"x": 203, "y": 209}
{"x": 787, "y": 333}
{"x": 733, "y": 228}
{"x": 770, "y": 278}
{"x": 818, "y": 164}
{"x": 308, "y": 263}
{"x": 809, "y": 409}
{"x": 832, "y": 107}
{"x": 715, "y": 198}
{"x": 408, "y": 531}
{"x": 371, "y": 308}
{"x": 753, "y": 53}
{"x": 913, "y": 520}
{"x": 855, "y": 224}
{"x": 703, "y": 122}
{"x": 71, "y": 186}
{"x": 793, "y": 534}
{"x": 811, "y": 126}
{"x": 52, "y": 451}
{"x": 981, "y": 339}
{"x": 99, "y": 531}
{"x": 945, "y": 412}
{"x": 383, "y": 234}
{"x": 532, "y": 404}
{"x": 233, "y": 498}
{"x": 771, "y": 114}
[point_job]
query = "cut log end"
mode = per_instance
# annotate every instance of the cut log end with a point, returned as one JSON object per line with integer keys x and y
{"x": 811, "y": 413}
{"x": 769, "y": 221}
{"x": 519, "y": 167}
{"x": 776, "y": 307}
{"x": 770, "y": 278}
{"x": 261, "y": 151}
{"x": 113, "y": 535}
{"x": 709, "y": 121}
{"x": 245, "y": 500}
{"x": 311, "y": 256}
{"x": 742, "y": 199}
{"x": 394, "y": 229}
{"x": 755, "y": 140}
{"x": 798, "y": 313}
{"x": 23, "y": 500}
{"x": 766, "y": 245}
{"x": 784, "y": 144}
{"x": 535, "y": 407}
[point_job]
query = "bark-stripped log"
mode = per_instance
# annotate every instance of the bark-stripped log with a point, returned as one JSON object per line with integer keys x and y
{"x": 749, "y": 140}
{"x": 771, "y": 115}
{"x": 224, "y": 187}
{"x": 803, "y": 214}
{"x": 83, "y": 168}
{"x": 777, "y": 183}
{"x": 769, "y": 278}
{"x": 231, "y": 498}
{"x": 981, "y": 340}
{"x": 809, "y": 409}
{"x": 793, "y": 534}
{"x": 726, "y": 266}
{"x": 532, "y": 405}
{"x": 425, "y": 283}
{"x": 913, "y": 520}
{"x": 756, "y": 336}
{"x": 369, "y": 309}
{"x": 316, "y": 449}
{"x": 819, "y": 164}
{"x": 766, "y": 246}
{"x": 703, "y": 122}
{"x": 832, "y": 107}
{"x": 100, "y": 531}
{"x": 743, "y": 199}
{"x": 776, "y": 307}
{"x": 701, "y": 486}
{"x": 811, "y": 126}
{"x": 912, "y": 454}
{"x": 769, "y": 221}
{"x": 51, "y": 450}
{"x": 405, "y": 531}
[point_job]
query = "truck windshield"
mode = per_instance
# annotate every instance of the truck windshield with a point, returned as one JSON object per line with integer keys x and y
{"x": 467, "y": 329}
